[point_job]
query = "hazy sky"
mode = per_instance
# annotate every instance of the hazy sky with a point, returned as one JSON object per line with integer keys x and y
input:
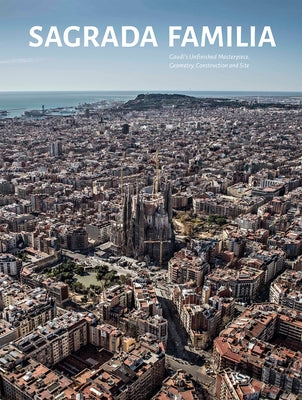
{"x": 53, "y": 68}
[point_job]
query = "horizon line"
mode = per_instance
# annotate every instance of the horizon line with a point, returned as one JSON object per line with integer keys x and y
{"x": 149, "y": 90}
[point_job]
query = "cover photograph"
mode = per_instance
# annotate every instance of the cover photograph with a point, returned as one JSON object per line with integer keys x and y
{"x": 150, "y": 200}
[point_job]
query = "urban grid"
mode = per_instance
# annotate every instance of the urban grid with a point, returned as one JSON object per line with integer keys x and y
{"x": 152, "y": 249}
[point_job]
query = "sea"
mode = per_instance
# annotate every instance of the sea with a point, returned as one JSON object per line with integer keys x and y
{"x": 15, "y": 103}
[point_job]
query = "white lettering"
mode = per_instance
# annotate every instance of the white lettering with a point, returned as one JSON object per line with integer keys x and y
{"x": 109, "y": 37}
{"x": 189, "y": 37}
{"x": 270, "y": 39}
{"x": 240, "y": 43}
{"x": 68, "y": 43}
{"x": 206, "y": 34}
{"x": 229, "y": 36}
{"x": 90, "y": 35}
{"x": 53, "y": 37}
{"x": 125, "y": 30}
{"x": 253, "y": 36}
{"x": 33, "y": 34}
{"x": 172, "y": 35}
{"x": 149, "y": 37}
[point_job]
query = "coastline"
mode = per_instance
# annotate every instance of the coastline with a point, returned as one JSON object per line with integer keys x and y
{"x": 14, "y": 103}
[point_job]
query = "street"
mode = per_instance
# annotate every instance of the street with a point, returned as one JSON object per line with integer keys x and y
{"x": 206, "y": 381}
{"x": 178, "y": 353}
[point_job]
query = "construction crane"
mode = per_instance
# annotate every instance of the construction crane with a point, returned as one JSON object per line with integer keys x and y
{"x": 156, "y": 179}
{"x": 160, "y": 248}
{"x": 122, "y": 176}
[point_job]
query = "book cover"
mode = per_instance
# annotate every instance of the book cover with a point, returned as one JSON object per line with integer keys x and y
{"x": 150, "y": 199}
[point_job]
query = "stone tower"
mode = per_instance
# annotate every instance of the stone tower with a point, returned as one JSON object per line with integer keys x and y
{"x": 147, "y": 225}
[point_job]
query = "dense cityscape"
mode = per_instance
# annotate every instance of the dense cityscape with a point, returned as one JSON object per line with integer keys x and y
{"x": 152, "y": 249}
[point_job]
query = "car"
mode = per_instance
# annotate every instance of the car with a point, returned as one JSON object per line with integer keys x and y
{"x": 209, "y": 371}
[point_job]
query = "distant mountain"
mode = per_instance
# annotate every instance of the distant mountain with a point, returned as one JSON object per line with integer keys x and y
{"x": 155, "y": 101}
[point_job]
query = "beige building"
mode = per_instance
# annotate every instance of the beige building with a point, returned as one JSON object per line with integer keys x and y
{"x": 244, "y": 283}
{"x": 57, "y": 339}
{"x": 185, "y": 266}
{"x": 30, "y": 312}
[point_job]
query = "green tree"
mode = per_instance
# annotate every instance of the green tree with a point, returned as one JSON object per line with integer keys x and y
{"x": 221, "y": 220}
{"x": 78, "y": 287}
{"x": 84, "y": 299}
{"x": 79, "y": 270}
{"x": 102, "y": 270}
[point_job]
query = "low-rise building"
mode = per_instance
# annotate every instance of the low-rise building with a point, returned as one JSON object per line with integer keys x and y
{"x": 57, "y": 289}
{"x": 55, "y": 340}
{"x": 185, "y": 266}
{"x": 177, "y": 386}
{"x": 10, "y": 265}
{"x": 106, "y": 336}
{"x": 245, "y": 282}
{"x": 30, "y": 312}
{"x": 232, "y": 385}
{"x": 32, "y": 380}
{"x": 287, "y": 290}
{"x": 249, "y": 345}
